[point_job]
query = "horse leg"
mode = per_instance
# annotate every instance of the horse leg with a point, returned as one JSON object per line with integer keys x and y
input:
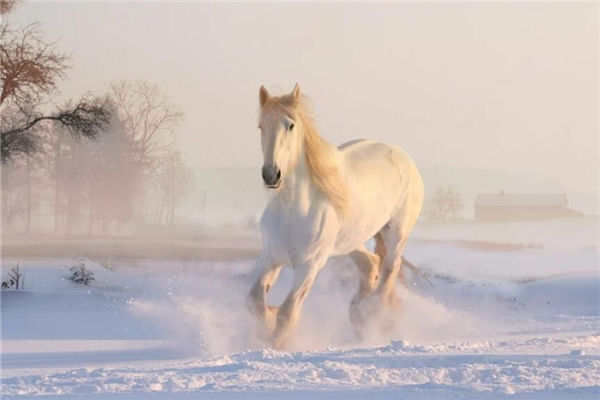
{"x": 289, "y": 311}
{"x": 367, "y": 264}
{"x": 391, "y": 265}
{"x": 380, "y": 248}
{"x": 394, "y": 236}
{"x": 268, "y": 272}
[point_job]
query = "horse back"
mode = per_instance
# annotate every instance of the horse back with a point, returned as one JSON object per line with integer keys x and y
{"x": 364, "y": 155}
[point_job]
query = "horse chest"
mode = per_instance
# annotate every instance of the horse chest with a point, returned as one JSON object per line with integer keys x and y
{"x": 294, "y": 237}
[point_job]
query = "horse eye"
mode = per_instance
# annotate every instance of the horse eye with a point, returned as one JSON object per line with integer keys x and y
{"x": 291, "y": 126}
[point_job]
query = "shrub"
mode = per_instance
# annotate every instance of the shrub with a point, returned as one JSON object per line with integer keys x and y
{"x": 15, "y": 279}
{"x": 80, "y": 274}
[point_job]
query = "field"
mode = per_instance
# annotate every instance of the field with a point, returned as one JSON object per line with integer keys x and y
{"x": 500, "y": 311}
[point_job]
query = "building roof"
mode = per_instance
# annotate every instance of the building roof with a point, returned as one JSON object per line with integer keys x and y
{"x": 521, "y": 199}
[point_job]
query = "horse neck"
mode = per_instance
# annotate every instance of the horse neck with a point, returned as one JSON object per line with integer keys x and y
{"x": 297, "y": 183}
{"x": 298, "y": 186}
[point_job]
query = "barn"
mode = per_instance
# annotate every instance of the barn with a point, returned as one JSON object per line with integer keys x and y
{"x": 498, "y": 207}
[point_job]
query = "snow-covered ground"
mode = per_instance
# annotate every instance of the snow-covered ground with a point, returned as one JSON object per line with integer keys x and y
{"x": 512, "y": 311}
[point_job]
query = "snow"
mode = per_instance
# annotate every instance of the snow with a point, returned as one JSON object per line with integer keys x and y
{"x": 496, "y": 322}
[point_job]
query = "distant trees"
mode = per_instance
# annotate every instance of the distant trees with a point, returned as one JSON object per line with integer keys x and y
{"x": 445, "y": 203}
{"x": 92, "y": 182}
{"x": 52, "y": 178}
{"x": 174, "y": 180}
{"x": 131, "y": 174}
{"x": 14, "y": 193}
{"x": 110, "y": 180}
{"x": 149, "y": 119}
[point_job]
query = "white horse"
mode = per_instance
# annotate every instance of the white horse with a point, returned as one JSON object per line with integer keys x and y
{"x": 328, "y": 201}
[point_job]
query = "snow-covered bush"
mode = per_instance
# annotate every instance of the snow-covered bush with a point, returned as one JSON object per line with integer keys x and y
{"x": 15, "y": 279}
{"x": 80, "y": 274}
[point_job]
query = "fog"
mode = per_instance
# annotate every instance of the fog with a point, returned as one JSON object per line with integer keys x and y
{"x": 131, "y": 193}
{"x": 485, "y": 97}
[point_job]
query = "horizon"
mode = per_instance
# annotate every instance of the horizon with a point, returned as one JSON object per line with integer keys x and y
{"x": 521, "y": 101}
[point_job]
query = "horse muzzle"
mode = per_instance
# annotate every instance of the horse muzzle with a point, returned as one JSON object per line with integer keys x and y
{"x": 271, "y": 176}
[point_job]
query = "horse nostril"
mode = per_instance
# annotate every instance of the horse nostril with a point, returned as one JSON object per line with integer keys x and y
{"x": 278, "y": 174}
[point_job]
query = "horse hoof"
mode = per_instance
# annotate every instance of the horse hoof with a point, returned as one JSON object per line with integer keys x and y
{"x": 278, "y": 342}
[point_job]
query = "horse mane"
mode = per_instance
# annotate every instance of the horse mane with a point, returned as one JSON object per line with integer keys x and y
{"x": 321, "y": 156}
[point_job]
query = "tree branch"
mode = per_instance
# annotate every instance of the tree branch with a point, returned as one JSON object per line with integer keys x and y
{"x": 86, "y": 119}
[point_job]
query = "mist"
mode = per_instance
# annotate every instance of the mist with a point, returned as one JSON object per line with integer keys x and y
{"x": 485, "y": 97}
{"x": 133, "y": 260}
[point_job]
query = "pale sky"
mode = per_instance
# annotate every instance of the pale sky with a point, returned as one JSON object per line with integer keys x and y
{"x": 505, "y": 87}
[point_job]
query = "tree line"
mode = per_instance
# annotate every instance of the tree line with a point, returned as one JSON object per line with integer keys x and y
{"x": 101, "y": 164}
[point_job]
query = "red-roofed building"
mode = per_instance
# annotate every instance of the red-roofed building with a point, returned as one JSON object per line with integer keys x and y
{"x": 498, "y": 207}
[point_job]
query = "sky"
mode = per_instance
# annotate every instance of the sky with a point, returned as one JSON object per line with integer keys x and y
{"x": 508, "y": 88}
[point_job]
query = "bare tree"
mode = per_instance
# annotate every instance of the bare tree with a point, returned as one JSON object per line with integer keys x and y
{"x": 149, "y": 119}
{"x": 15, "y": 278}
{"x": 85, "y": 119}
{"x": 445, "y": 203}
{"x": 30, "y": 69}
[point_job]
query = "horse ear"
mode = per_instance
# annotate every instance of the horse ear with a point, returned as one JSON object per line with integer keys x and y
{"x": 263, "y": 95}
{"x": 296, "y": 92}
